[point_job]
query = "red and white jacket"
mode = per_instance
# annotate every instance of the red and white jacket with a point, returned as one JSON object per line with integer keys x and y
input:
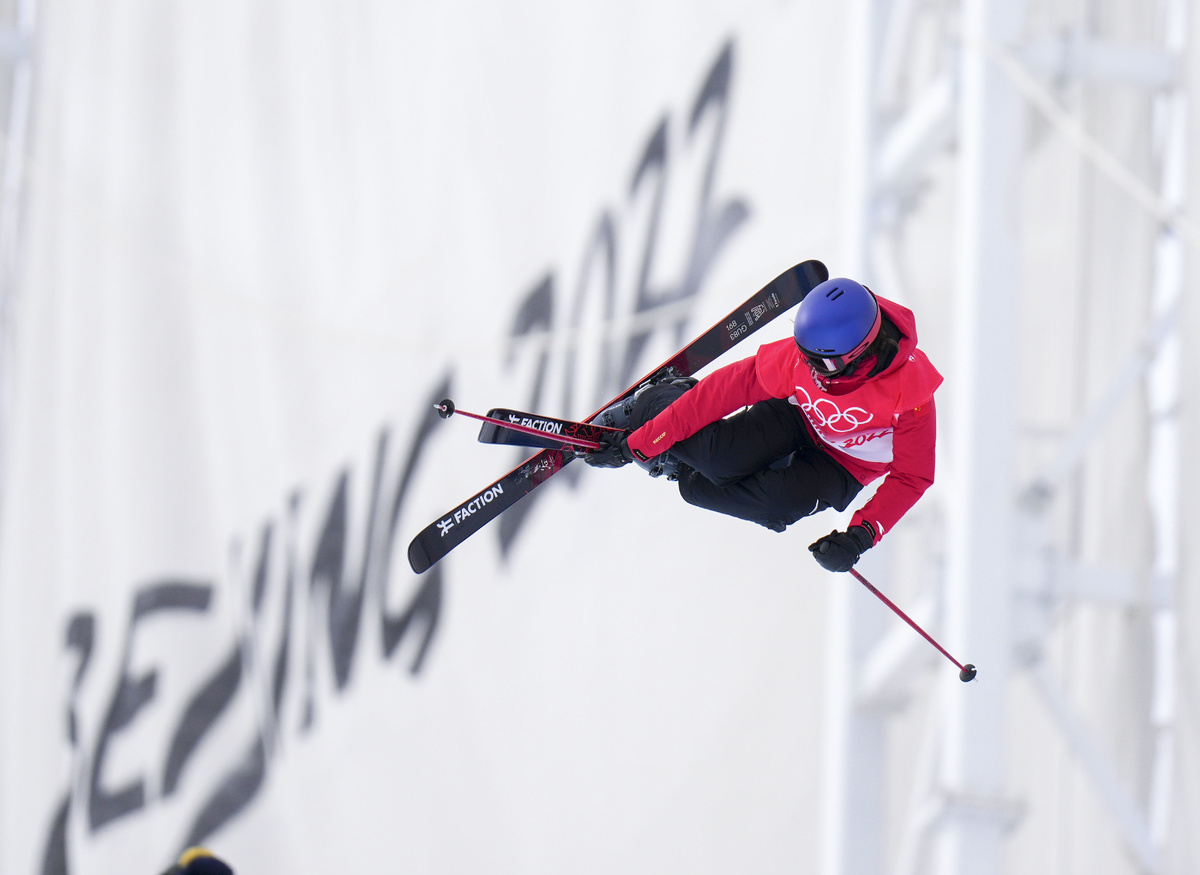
{"x": 876, "y": 426}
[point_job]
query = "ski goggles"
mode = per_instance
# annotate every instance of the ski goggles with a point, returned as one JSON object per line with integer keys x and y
{"x": 827, "y": 364}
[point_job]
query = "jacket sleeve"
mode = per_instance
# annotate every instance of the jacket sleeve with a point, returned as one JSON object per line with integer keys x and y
{"x": 914, "y": 438}
{"x": 720, "y": 393}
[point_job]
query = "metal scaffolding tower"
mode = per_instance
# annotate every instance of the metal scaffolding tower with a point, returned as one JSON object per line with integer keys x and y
{"x": 951, "y": 94}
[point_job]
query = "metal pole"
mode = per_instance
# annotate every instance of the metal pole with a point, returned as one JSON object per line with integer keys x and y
{"x": 980, "y": 437}
{"x": 1164, "y": 398}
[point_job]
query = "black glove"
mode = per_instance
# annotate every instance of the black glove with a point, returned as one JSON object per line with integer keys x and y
{"x": 614, "y": 452}
{"x": 838, "y": 551}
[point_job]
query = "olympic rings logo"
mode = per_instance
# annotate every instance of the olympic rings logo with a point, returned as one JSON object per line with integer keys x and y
{"x": 826, "y": 414}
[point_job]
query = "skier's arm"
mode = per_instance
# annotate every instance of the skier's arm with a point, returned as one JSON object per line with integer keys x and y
{"x": 913, "y": 441}
{"x": 720, "y": 393}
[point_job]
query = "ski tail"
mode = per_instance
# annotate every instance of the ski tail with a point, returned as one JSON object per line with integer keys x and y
{"x": 456, "y": 525}
{"x": 775, "y": 298}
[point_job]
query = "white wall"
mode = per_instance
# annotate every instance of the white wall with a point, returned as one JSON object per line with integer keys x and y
{"x": 261, "y": 238}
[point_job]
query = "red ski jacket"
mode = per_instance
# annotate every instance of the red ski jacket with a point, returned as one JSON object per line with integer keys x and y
{"x": 872, "y": 426}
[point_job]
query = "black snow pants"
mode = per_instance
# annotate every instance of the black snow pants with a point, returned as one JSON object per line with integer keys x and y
{"x": 763, "y": 465}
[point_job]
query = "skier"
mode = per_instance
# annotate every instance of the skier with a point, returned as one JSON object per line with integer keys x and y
{"x": 849, "y": 399}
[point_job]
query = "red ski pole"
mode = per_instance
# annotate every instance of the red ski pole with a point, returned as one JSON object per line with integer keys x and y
{"x": 965, "y": 673}
{"x": 446, "y": 409}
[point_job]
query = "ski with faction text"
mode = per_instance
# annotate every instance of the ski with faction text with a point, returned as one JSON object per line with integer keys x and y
{"x": 493, "y": 433}
{"x": 444, "y": 534}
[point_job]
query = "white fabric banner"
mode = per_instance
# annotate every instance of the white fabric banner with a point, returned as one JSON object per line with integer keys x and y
{"x": 261, "y": 240}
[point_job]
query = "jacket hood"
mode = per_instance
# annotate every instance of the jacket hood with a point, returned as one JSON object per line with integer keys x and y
{"x": 903, "y": 319}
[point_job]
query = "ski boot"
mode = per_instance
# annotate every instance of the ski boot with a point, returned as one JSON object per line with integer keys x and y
{"x": 650, "y": 399}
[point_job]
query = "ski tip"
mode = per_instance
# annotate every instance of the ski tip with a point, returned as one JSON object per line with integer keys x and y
{"x": 815, "y": 272}
{"x": 418, "y": 557}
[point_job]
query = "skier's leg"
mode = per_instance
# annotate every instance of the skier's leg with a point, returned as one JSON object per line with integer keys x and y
{"x": 747, "y": 442}
{"x": 777, "y": 496}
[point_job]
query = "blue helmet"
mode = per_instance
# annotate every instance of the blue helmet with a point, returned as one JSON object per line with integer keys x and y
{"x": 836, "y": 323}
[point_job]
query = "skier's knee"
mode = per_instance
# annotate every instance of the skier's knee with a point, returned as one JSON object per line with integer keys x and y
{"x": 653, "y": 400}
